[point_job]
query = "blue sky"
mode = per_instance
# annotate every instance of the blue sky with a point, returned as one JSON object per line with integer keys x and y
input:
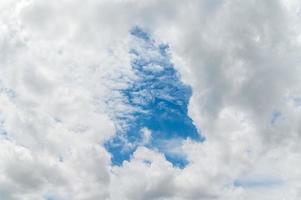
{"x": 261, "y": 182}
{"x": 161, "y": 103}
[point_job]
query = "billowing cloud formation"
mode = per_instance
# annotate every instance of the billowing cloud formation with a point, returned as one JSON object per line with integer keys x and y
{"x": 62, "y": 61}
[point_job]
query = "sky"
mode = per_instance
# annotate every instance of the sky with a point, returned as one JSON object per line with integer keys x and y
{"x": 150, "y": 100}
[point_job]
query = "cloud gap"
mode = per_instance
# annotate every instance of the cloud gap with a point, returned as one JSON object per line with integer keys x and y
{"x": 160, "y": 101}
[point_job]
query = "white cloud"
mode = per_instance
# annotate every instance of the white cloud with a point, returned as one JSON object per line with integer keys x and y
{"x": 61, "y": 60}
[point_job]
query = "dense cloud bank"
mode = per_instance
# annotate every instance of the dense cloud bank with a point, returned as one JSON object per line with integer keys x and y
{"x": 61, "y": 62}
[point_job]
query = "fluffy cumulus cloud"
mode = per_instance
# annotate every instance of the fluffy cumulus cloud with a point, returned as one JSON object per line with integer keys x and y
{"x": 69, "y": 86}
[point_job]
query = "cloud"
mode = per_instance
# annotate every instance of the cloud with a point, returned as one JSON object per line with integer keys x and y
{"x": 61, "y": 63}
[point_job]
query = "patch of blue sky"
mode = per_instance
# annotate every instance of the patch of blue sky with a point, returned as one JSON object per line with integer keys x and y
{"x": 11, "y": 96}
{"x": 52, "y": 196}
{"x": 297, "y": 101}
{"x": 2, "y": 130}
{"x": 258, "y": 183}
{"x": 159, "y": 102}
{"x": 275, "y": 116}
{"x": 7, "y": 91}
